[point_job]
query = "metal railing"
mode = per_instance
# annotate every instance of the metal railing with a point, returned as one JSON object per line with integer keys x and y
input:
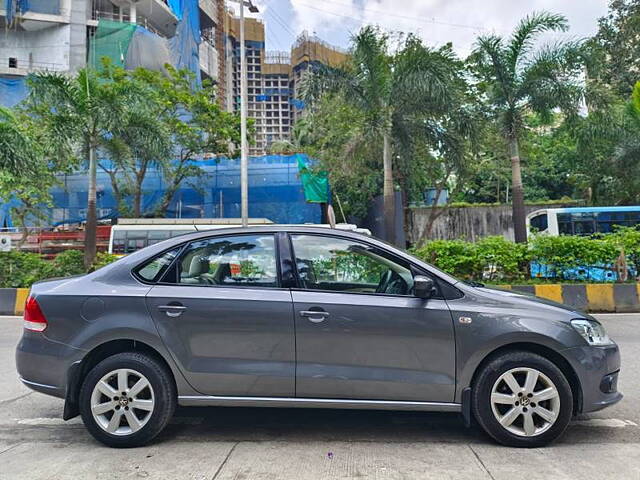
{"x": 125, "y": 18}
{"x": 281, "y": 58}
{"x": 30, "y": 65}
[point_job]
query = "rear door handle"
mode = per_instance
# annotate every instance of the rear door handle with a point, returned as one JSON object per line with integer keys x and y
{"x": 172, "y": 310}
{"x": 315, "y": 316}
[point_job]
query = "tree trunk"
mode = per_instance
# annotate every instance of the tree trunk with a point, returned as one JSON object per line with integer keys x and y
{"x": 388, "y": 192}
{"x": 91, "y": 224}
{"x": 517, "y": 192}
{"x": 137, "y": 200}
{"x": 167, "y": 197}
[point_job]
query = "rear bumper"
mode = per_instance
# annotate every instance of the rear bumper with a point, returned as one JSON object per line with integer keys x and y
{"x": 43, "y": 365}
{"x": 597, "y": 368}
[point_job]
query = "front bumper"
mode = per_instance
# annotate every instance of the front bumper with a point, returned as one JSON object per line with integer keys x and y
{"x": 43, "y": 364}
{"x": 597, "y": 369}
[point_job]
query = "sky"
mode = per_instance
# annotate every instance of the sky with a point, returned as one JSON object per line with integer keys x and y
{"x": 436, "y": 21}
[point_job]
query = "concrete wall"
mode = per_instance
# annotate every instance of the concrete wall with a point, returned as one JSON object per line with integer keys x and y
{"x": 466, "y": 223}
{"x": 12, "y": 300}
{"x": 47, "y": 48}
{"x": 591, "y": 297}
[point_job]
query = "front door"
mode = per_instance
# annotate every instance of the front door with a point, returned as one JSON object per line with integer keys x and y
{"x": 360, "y": 333}
{"x": 222, "y": 314}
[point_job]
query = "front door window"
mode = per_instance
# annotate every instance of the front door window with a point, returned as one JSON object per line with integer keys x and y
{"x": 342, "y": 265}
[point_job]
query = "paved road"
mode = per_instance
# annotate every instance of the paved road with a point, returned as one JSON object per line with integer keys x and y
{"x": 248, "y": 443}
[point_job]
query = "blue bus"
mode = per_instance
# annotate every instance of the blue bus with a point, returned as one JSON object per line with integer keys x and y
{"x": 580, "y": 221}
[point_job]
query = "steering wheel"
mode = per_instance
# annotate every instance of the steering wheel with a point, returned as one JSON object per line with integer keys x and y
{"x": 392, "y": 283}
{"x": 385, "y": 280}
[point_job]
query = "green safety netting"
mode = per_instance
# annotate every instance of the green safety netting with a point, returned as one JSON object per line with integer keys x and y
{"x": 315, "y": 184}
{"x": 112, "y": 40}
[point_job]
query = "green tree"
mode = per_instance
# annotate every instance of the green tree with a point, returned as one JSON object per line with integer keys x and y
{"x": 140, "y": 142}
{"x": 334, "y": 134}
{"x": 386, "y": 88}
{"x": 30, "y": 157}
{"x": 18, "y": 150}
{"x": 81, "y": 111}
{"x": 617, "y": 47}
{"x": 198, "y": 126}
{"x": 517, "y": 79}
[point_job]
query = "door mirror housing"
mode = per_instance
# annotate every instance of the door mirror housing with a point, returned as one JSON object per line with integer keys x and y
{"x": 423, "y": 287}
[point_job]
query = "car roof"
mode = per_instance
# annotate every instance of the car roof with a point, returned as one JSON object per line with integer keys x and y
{"x": 122, "y": 270}
{"x": 272, "y": 229}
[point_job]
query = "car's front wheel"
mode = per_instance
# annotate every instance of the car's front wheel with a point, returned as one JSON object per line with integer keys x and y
{"x": 127, "y": 399}
{"x": 522, "y": 399}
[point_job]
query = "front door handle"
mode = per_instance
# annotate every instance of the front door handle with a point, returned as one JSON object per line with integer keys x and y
{"x": 315, "y": 316}
{"x": 172, "y": 310}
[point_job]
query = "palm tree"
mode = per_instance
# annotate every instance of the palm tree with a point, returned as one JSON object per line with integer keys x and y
{"x": 386, "y": 88}
{"x": 518, "y": 80}
{"x": 82, "y": 110}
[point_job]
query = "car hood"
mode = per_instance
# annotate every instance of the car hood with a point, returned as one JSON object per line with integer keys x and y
{"x": 523, "y": 299}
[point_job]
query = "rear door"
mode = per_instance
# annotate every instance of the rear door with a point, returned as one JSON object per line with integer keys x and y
{"x": 360, "y": 333}
{"x": 223, "y": 314}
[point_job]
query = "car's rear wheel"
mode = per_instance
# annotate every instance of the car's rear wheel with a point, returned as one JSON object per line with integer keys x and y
{"x": 127, "y": 399}
{"x": 522, "y": 399}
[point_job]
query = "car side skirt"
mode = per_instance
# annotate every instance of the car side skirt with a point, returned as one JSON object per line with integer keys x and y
{"x": 285, "y": 402}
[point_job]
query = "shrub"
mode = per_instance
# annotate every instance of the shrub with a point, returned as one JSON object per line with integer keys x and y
{"x": 102, "y": 259}
{"x": 566, "y": 252}
{"x": 501, "y": 259}
{"x": 628, "y": 240}
{"x": 69, "y": 262}
{"x": 21, "y": 269}
{"x": 456, "y": 257}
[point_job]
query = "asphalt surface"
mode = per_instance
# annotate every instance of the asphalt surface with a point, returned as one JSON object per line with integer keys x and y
{"x": 251, "y": 443}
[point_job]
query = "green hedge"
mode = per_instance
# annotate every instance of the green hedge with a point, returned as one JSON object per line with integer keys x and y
{"x": 497, "y": 260}
{"x": 22, "y": 269}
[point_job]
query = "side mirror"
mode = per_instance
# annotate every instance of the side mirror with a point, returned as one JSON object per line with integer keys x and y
{"x": 423, "y": 287}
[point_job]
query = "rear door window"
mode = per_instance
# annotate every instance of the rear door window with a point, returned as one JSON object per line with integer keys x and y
{"x": 153, "y": 270}
{"x": 233, "y": 261}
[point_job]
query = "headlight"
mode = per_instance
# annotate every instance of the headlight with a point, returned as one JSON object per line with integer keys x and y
{"x": 592, "y": 331}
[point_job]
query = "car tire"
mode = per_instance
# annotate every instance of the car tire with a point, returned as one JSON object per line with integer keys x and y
{"x": 133, "y": 419}
{"x": 508, "y": 411}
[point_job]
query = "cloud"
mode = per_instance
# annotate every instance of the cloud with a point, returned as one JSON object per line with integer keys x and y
{"x": 436, "y": 21}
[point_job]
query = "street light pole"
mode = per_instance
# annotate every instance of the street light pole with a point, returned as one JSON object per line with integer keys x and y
{"x": 244, "y": 147}
{"x": 244, "y": 158}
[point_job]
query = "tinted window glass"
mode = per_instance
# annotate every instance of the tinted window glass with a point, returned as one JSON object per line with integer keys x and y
{"x": 336, "y": 264}
{"x": 153, "y": 270}
{"x": 539, "y": 223}
{"x": 243, "y": 260}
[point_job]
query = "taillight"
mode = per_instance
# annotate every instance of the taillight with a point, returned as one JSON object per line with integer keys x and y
{"x": 34, "y": 319}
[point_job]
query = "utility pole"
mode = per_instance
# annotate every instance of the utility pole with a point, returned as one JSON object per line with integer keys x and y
{"x": 244, "y": 147}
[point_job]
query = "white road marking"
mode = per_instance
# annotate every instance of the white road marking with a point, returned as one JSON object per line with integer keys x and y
{"x": 49, "y": 421}
{"x": 604, "y": 422}
{"x": 56, "y": 421}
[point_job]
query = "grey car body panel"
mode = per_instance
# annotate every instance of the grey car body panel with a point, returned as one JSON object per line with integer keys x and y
{"x": 230, "y": 341}
{"x": 374, "y": 347}
{"x": 110, "y": 304}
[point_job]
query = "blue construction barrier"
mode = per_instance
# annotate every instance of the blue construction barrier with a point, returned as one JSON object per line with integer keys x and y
{"x": 276, "y": 192}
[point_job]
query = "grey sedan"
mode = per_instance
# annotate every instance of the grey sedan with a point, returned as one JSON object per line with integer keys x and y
{"x": 306, "y": 317}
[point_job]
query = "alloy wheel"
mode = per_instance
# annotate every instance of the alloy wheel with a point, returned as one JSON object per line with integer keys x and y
{"x": 525, "y": 402}
{"x": 122, "y": 402}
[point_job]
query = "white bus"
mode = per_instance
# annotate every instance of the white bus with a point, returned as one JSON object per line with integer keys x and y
{"x": 131, "y": 234}
{"x": 581, "y": 220}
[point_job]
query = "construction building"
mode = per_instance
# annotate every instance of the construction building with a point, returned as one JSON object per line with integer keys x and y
{"x": 66, "y": 35}
{"x": 273, "y": 79}
{"x": 201, "y": 35}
